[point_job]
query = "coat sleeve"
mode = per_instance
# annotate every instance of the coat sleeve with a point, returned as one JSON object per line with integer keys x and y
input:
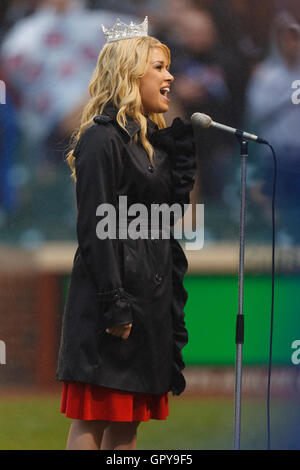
{"x": 96, "y": 164}
{"x": 178, "y": 141}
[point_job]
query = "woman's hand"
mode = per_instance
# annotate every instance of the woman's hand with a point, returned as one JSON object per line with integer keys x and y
{"x": 177, "y": 139}
{"x": 122, "y": 331}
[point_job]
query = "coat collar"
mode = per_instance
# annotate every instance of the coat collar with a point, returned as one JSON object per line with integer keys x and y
{"x": 132, "y": 127}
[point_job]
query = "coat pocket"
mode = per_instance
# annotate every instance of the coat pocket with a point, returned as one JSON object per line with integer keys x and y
{"x": 118, "y": 351}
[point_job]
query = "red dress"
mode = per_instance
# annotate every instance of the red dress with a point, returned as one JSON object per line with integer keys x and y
{"x": 91, "y": 402}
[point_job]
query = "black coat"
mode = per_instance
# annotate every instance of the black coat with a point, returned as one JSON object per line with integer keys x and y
{"x": 117, "y": 281}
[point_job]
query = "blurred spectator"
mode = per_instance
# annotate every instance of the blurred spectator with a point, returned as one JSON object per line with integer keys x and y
{"x": 204, "y": 72}
{"x": 48, "y": 59}
{"x": 273, "y": 115}
{"x": 128, "y": 7}
{"x": 9, "y": 138}
{"x": 12, "y": 11}
{"x": 255, "y": 18}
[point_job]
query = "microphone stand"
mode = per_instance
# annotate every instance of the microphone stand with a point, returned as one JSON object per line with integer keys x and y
{"x": 239, "y": 340}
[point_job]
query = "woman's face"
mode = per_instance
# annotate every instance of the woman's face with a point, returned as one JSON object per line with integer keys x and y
{"x": 155, "y": 84}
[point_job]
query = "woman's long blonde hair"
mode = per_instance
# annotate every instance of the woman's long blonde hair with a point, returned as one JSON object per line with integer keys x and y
{"x": 116, "y": 78}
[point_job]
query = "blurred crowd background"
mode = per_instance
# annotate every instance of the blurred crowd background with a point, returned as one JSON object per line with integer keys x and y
{"x": 235, "y": 60}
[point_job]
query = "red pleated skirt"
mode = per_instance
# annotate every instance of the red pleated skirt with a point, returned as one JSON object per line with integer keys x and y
{"x": 91, "y": 402}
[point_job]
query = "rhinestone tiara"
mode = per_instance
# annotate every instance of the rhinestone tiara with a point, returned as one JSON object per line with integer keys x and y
{"x": 123, "y": 31}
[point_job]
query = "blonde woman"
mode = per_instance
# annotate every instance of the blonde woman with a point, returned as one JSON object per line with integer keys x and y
{"x": 123, "y": 325}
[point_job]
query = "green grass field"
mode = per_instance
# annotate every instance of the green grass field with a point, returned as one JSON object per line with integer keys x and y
{"x": 35, "y": 423}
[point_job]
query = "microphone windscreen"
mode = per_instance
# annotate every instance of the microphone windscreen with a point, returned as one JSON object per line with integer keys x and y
{"x": 201, "y": 119}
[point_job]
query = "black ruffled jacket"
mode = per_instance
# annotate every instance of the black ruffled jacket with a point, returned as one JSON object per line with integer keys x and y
{"x": 119, "y": 280}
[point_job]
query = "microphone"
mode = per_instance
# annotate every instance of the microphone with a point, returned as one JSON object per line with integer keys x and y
{"x": 206, "y": 121}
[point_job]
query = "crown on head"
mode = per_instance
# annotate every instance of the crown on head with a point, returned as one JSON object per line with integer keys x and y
{"x": 123, "y": 31}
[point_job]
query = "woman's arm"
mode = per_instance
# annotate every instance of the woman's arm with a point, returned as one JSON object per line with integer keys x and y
{"x": 178, "y": 141}
{"x": 96, "y": 164}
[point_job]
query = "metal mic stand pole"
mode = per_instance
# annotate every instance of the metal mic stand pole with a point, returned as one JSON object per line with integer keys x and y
{"x": 239, "y": 340}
